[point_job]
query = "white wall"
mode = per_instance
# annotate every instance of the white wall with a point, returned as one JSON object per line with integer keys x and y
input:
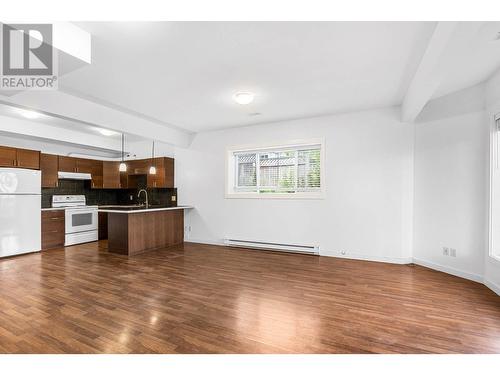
{"x": 451, "y": 168}
{"x": 367, "y": 211}
{"x": 450, "y": 202}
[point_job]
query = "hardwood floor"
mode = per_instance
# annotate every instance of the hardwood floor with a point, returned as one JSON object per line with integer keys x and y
{"x": 207, "y": 299}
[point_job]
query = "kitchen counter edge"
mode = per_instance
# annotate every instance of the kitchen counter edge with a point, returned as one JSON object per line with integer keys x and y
{"x": 135, "y": 211}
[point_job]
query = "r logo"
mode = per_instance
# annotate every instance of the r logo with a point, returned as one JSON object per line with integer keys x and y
{"x": 27, "y": 50}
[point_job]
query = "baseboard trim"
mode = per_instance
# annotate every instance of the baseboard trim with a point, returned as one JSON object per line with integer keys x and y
{"x": 350, "y": 256}
{"x": 205, "y": 242}
{"x": 491, "y": 285}
{"x": 450, "y": 270}
{"x": 369, "y": 258}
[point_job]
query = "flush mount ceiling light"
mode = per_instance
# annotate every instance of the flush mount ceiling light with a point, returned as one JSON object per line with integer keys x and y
{"x": 123, "y": 166}
{"x": 243, "y": 98}
{"x": 107, "y": 132}
{"x": 28, "y": 113}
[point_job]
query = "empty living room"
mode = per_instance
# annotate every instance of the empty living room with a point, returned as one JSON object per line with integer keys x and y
{"x": 228, "y": 187}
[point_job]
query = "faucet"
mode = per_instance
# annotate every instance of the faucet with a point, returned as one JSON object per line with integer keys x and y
{"x": 145, "y": 192}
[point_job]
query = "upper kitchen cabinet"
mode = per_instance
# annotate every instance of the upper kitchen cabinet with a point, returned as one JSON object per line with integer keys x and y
{"x": 94, "y": 167}
{"x": 164, "y": 177}
{"x": 28, "y": 159}
{"x": 112, "y": 178}
{"x": 19, "y": 158}
{"x": 96, "y": 170}
{"x": 7, "y": 157}
{"x": 138, "y": 167}
{"x": 49, "y": 166}
{"x": 80, "y": 165}
{"x": 67, "y": 164}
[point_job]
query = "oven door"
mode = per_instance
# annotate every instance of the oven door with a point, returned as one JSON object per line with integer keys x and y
{"x": 80, "y": 220}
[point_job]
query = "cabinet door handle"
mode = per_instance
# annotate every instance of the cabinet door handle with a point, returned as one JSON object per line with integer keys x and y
{"x": 55, "y": 218}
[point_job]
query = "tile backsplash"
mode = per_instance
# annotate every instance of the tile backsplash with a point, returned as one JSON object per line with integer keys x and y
{"x": 106, "y": 196}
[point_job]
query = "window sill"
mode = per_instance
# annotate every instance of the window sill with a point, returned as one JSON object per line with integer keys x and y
{"x": 302, "y": 196}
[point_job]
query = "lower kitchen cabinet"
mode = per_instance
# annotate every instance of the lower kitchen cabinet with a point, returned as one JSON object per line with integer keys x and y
{"x": 53, "y": 229}
{"x": 103, "y": 226}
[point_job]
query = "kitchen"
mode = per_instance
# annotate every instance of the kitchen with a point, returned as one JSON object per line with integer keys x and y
{"x": 64, "y": 201}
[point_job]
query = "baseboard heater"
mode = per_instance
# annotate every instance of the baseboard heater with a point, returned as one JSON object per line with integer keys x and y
{"x": 291, "y": 248}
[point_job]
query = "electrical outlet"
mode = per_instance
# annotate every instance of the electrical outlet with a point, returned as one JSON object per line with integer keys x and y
{"x": 446, "y": 251}
{"x": 453, "y": 252}
{"x": 174, "y": 198}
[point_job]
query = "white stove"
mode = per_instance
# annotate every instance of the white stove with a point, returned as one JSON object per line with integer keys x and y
{"x": 81, "y": 220}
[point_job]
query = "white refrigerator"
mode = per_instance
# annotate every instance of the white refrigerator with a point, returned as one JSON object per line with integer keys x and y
{"x": 20, "y": 215}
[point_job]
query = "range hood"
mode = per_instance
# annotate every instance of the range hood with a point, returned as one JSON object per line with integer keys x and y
{"x": 74, "y": 176}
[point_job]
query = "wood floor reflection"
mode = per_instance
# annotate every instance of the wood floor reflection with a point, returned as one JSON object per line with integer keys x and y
{"x": 208, "y": 299}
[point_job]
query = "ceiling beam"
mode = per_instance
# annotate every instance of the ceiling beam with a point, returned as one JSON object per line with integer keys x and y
{"x": 64, "y": 105}
{"x": 429, "y": 72}
{"x": 36, "y": 130}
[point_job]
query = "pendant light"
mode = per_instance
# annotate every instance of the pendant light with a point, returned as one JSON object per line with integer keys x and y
{"x": 152, "y": 169}
{"x": 123, "y": 166}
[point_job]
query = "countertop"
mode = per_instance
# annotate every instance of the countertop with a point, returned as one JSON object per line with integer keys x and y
{"x": 53, "y": 209}
{"x": 136, "y": 209}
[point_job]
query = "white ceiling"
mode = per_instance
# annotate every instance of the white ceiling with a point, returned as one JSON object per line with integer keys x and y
{"x": 182, "y": 75}
{"x": 478, "y": 59}
{"x": 185, "y": 73}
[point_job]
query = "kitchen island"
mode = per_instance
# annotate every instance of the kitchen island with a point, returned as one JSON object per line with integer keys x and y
{"x": 134, "y": 230}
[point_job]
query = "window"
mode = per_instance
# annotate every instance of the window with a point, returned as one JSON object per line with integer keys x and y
{"x": 290, "y": 170}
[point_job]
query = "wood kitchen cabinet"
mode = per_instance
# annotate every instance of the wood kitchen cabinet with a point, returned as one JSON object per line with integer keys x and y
{"x": 81, "y": 165}
{"x": 103, "y": 226}
{"x": 105, "y": 174}
{"x": 7, "y": 157}
{"x": 138, "y": 167}
{"x": 96, "y": 170}
{"x": 19, "y": 158}
{"x": 49, "y": 165}
{"x": 164, "y": 177}
{"x": 67, "y": 164}
{"x": 53, "y": 229}
{"x": 135, "y": 233}
{"x": 111, "y": 175}
{"x": 28, "y": 159}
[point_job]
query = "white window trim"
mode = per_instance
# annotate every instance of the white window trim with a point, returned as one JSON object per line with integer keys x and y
{"x": 230, "y": 176}
{"x": 494, "y": 138}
